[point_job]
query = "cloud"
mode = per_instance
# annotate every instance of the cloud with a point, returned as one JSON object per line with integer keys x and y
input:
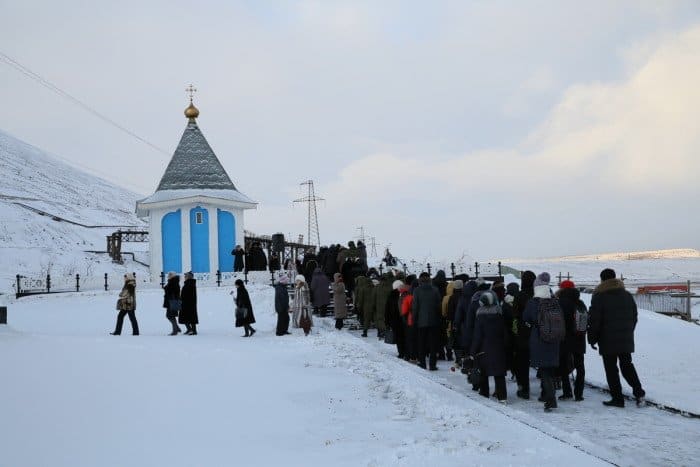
{"x": 629, "y": 140}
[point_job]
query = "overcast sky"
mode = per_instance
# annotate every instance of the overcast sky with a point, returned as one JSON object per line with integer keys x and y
{"x": 492, "y": 128}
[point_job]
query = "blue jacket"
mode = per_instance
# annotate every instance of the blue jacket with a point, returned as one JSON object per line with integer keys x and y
{"x": 542, "y": 354}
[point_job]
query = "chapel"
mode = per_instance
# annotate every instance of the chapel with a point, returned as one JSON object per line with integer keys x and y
{"x": 196, "y": 215}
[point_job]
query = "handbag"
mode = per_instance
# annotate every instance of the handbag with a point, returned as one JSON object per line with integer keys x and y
{"x": 174, "y": 304}
{"x": 119, "y": 304}
{"x": 389, "y": 337}
{"x": 241, "y": 313}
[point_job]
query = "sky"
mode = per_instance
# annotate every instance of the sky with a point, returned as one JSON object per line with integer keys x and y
{"x": 447, "y": 129}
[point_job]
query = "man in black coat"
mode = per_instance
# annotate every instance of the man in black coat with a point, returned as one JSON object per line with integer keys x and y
{"x": 612, "y": 319}
{"x": 282, "y": 306}
{"x": 573, "y": 349}
{"x": 426, "y": 317}
{"x": 521, "y": 361}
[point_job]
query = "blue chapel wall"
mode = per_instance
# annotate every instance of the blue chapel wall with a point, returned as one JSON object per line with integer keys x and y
{"x": 199, "y": 240}
{"x": 171, "y": 241}
{"x": 226, "y": 239}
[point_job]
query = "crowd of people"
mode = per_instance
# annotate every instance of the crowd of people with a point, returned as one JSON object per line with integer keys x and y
{"x": 486, "y": 328}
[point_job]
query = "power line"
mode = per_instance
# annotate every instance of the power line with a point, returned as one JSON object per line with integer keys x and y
{"x": 49, "y": 85}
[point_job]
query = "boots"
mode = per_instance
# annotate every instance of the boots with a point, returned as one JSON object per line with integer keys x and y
{"x": 615, "y": 403}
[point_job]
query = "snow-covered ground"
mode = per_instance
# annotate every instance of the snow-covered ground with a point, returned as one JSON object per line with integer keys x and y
{"x": 34, "y": 244}
{"x": 75, "y": 396}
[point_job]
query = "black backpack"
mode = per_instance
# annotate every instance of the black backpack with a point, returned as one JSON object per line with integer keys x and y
{"x": 550, "y": 320}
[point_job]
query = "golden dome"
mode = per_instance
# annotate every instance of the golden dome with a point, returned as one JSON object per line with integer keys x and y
{"x": 191, "y": 111}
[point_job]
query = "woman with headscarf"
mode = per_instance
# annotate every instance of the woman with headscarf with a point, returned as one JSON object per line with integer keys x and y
{"x": 126, "y": 304}
{"x": 188, "y": 313}
{"x": 282, "y": 305}
{"x": 244, "y": 309}
{"x": 172, "y": 302}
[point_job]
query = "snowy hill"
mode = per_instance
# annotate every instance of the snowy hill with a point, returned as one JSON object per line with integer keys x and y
{"x": 52, "y": 213}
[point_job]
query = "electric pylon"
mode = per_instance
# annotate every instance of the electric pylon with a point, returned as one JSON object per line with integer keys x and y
{"x": 313, "y": 237}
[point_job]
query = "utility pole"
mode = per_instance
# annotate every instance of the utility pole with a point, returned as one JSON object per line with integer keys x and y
{"x": 361, "y": 237}
{"x": 373, "y": 246}
{"x": 310, "y": 199}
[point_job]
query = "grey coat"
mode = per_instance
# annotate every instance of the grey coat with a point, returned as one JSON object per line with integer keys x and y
{"x": 320, "y": 295}
{"x": 340, "y": 308}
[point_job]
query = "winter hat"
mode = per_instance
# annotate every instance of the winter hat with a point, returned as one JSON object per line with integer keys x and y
{"x": 487, "y": 298}
{"x": 457, "y": 284}
{"x": 189, "y": 275}
{"x": 607, "y": 274}
{"x": 337, "y": 276}
{"x": 300, "y": 278}
{"x": 542, "y": 279}
{"x": 129, "y": 276}
{"x": 397, "y": 285}
{"x": 283, "y": 279}
{"x": 567, "y": 284}
{"x": 171, "y": 274}
{"x": 513, "y": 288}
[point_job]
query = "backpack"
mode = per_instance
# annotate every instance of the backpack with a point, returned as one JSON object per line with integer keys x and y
{"x": 581, "y": 319}
{"x": 550, "y": 320}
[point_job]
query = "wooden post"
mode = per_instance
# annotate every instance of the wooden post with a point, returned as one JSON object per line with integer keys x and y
{"x": 48, "y": 283}
{"x": 218, "y": 278}
{"x": 77, "y": 282}
{"x": 106, "y": 283}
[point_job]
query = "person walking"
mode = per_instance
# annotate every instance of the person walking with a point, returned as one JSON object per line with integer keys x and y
{"x": 426, "y": 316}
{"x": 244, "y": 309}
{"x": 393, "y": 317}
{"x": 521, "y": 359}
{"x": 573, "y": 349}
{"x": 320, "y": 294}
{"x": 282, "y": 305}
{"x": 544, "y": 351}
{"x": 300, "y": 301}
{"x": 489, "y": 345}
{"x": 406, "y": 307}
{"x": 126, "y": 305}
{"x": 238, "y": 258}
{"x": 188, "y": 313}
{"x": 612, "y": 320}
{"x": 172, "y": 302}
{"x": 340, "y": 307}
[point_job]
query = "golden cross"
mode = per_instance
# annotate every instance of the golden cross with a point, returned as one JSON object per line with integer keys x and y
{"x": 190, "y": 90}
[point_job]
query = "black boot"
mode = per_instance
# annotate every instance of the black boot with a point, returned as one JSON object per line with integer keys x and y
{"x": 614, "y": 403}
{"x": 364, "y": 333}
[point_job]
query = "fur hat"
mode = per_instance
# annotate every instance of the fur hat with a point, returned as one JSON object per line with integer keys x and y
{"x": 567, "y": 284}
{"x": 129, "y": 276}
{"x": 300, "y": 278}
{"x": 542, "y": 279}
{"x": 171, "y": 274}
{"x": 397, "y": 285}
{"x": 607, "y": 273}
{"x": 457, "y": 284}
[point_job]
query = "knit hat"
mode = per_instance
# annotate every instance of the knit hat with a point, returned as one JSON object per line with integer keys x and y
{"x": 542, "y": 279}
{"x": 567, "y": 284}
{"x": 283, "y": 279}
{"x": 487, "y": 298}
{"x": 397, "y": 285}
{"x": 513, "y": 288}
{"x": 457, "y": 284}
{"x": 300, "y": 278}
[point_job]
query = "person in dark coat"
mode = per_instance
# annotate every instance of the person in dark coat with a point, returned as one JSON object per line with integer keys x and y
{"x": 274, "y": 262}
{"x": 282, "y": 305}
{"x": 320, "y": 293}
{"x": 330, "y": 266}
{"x": 512, "y": 290}
{"x": 238, "y": 259}
{"x": 572, "y": 350}
{"x": 126, "y": 304}
{"x": 426, "y": 318}
{"x": 243, "y": 301}
{"x": 257, "y": 261}
{"x": 612, "y": 319}
{"x": 489, "y": 345}
{"x": 440, "y": 281}
{"x": 521, "y": 361}
{"x": 188, "y": 313}
{"x": 460, "y": 321}
{"x": 362, "y": 256}
{"x": 393, "y": 317}
{"x": 543, "y": 355}
{"x": 172, "y": 302}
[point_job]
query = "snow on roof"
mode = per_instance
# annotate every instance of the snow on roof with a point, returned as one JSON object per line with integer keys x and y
{"x": 171, "y": 195}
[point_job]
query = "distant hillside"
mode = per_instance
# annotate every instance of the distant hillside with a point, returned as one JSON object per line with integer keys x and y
{"x": 677, "y": 253}
{"x": 34, "y": 182}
